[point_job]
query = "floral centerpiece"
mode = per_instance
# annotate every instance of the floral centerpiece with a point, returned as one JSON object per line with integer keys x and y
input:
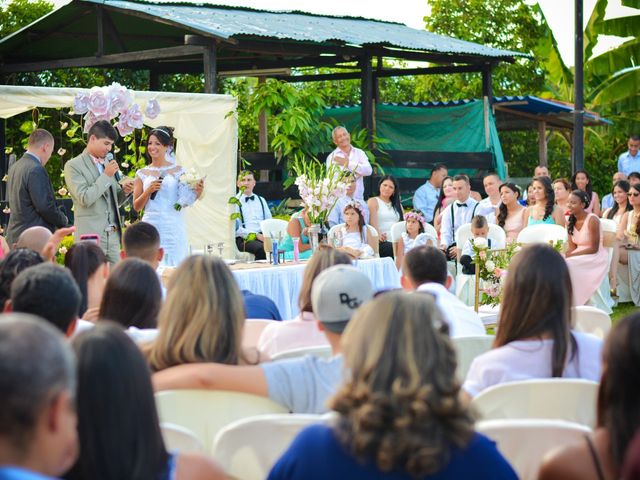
{"x": 320, "y": 187}
{"x": 114, "y": 102}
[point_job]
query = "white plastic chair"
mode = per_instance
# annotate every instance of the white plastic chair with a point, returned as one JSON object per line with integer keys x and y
{"x": 468, "y": 348}
{"x": 542, "y": 233}
{"x": 206, "y": 412}
{"x": 396, "y": 233}
{"x": 569, "y": 399}
{"x": 591, "y": 320}
{"x": 602, "y": 297}
{"x": 322, "y": 351}
{"x": 370, "y": 231}
{"x": 180, "y": 439}
{"x": 253, "y": 328}
{"x": 525, "y": 442}
{"x": 249, "y": 448}
{"x": 272, "y": 226}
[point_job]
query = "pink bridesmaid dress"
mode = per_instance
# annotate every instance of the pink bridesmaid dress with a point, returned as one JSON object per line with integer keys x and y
{"x": 586, "y": 271}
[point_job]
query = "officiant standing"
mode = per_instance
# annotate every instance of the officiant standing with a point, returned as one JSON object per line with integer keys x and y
{"x": 350, "y": 158}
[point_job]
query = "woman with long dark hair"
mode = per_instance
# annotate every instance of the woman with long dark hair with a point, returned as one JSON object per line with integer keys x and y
{"x": 582, "y": 181}
{"x": 446, "y": 197}
{"x": 620, "y": 202}
{"x": 586, "y": 256}
{"x": 601, "y": 454}
{"x": 510, "y": 212}
{"x": 118, "y": 424}
{"x": 384, "y": 211}
{"x": 629, "y": 237}
{"x": 399, "y": 413}
{"x": 158, "y": 189}
{"x": 535, "y": 339}
{"x": 543, "y": 208}
{"x": 88, "y": 265}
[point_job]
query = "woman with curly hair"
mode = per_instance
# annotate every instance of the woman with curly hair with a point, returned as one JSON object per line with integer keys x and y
{"x": 587, "y": 259}
{"x": 399, "y": 412}
{"x": 542, "y": 208}
{"x": 510, "y": 212}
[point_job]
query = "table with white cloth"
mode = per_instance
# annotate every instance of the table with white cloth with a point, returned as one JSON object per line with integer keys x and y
{"x": 282, "y": 283}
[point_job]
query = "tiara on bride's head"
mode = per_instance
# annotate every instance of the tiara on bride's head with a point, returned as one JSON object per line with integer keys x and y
{"x": 168, "y": 134}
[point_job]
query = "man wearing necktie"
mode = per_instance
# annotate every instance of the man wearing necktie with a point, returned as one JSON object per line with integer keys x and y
{"x": 95, "y": 190}
{"x": 456, "y": 214}
{"x": 252, "y": 209}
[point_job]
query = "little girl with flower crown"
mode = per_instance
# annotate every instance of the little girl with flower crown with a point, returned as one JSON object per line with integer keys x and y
{"x": 413, "y": 236}
{"x": 355, "y": 241}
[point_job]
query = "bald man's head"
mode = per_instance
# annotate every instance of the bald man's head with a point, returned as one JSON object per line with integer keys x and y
{"x": 34, "y": 238}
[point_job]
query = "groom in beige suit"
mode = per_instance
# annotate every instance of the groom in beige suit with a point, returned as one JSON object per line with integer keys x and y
{"x": 95, "y": 191}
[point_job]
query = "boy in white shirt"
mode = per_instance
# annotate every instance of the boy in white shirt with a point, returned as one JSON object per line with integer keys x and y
{"x": 479, "y": 229}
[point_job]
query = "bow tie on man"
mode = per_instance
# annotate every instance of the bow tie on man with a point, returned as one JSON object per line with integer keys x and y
{"x": 461, "y": 204}
{"x": 251, "y": 197}
{"x": 97, "y": 161}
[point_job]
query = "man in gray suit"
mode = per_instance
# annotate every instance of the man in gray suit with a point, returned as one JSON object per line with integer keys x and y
{"x": 29, "y": 189}
{"x": 97, "y": 191}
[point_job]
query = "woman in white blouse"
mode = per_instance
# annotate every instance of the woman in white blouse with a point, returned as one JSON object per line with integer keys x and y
{"x": 384, "y": 211}
{"x": 534, "y": 338}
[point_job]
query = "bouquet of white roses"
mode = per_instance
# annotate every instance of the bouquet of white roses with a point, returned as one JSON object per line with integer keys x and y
{"x": 188, "y": 182}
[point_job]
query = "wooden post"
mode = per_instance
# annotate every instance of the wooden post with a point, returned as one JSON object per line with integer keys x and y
{"x": 210, "y": 68}
{"x": 476, "y": 299}
{"x": 100, "y": 31}
{"x": 366, "y": 95}
{"x": 263, "y": 135}
{"x": 542, "y": 143}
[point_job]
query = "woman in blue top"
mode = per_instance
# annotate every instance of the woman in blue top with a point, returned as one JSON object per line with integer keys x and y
{"x": 399, "y": 413}
{"x": 298, "y": 227}
{"x": 543, "y": 210}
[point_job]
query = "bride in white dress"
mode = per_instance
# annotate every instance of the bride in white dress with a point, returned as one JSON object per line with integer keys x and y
{"x": 157, "y": 190}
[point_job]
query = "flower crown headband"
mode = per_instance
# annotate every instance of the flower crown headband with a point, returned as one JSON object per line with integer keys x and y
{"x": 416, "y": 216}
{"x": 355, "y": 205}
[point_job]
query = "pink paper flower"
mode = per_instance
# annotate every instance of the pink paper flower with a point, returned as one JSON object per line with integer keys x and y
{"x": 153, "y": 109}
{"x": 120, "y": 98}
{"x": 81, "y": 103}
{"x": 89, "y": 120}
{"x": 123, "y": 126}
{"x": 134, "y": 116}
{"x": 98, "y": 103}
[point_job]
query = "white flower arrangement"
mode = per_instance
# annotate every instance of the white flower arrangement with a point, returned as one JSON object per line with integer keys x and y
{"x": 319, "y": 187}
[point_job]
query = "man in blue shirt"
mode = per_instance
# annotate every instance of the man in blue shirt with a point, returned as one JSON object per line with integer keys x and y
{"x": 426, "y": 196}
{"x": 38, "y": 436}
{"x": 630, "y": 161}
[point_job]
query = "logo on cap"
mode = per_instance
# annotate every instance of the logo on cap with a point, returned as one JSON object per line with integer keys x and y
{"x": 351, "y": 302}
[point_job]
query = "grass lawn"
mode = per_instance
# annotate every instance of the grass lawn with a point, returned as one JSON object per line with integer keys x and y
{"x": 622, "y": 310}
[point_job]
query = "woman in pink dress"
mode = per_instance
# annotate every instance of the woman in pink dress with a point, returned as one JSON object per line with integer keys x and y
{"x": 510, "y": 213}
{"x": 587, "y": 258}
{"x": 582, "y": 181}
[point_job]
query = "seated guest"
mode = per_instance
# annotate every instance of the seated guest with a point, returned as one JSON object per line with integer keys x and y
{"x": 47, "y": 291}
{"x": 399, "y": 413}
{"x": 446, "y": 197}
{"x": 581, "y": 181}
{"x": 425, "y": 199}
{"x": 384, "y": 211}
{"x": 260, "y": 306}
{"x": 490, "y": 204}
{"x": 629, "y": 252}
{"x": 252, "y": 209}
{"x": 535, "y": 339}
{"x": 303, "y": 330}
{"x": 90, "y": 269}
{"x": 33, "y": 238}
{"x": 118, "y": 422}
{"x": 425, "y": 270}
{"x": 608, "y": 200}
{"x": 587, "y": 259}
{"x": 132, "y": 298}
{"x": 634, "y": 178}
{"x": 479, "y": 229}
{"x": 142, "y": 240}
{"x": 298, "y": 227}
{"x": 561, "y": 191}
{"x": 302, "y": 384}
{"x": 600, "y": 454}
{"x": 510, "y": 213}
{"x": 354, "y": 237}
{"x": 457, "y": 214}
{"x": 413, "y": 236}
{"x": 38, "y": 438}
{"x": 335, "y": 216}
{"x": 14, "y": 263}
{"x": 543, "y": 210}
{"x": 620, "y": 195}
{"x": 201, "y": 319}
{"x": 631, "y": 466}
{"x": 541, "y": 171}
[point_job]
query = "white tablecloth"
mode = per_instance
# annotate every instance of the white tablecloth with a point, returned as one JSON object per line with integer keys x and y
{"x": 282, "y": 284}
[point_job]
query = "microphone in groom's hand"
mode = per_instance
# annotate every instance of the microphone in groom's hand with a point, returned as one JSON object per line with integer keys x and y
{"x": 108, "y": 159}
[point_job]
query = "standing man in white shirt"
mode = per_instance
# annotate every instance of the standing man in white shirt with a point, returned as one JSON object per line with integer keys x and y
{"x": 252, "y": 209}
{"x": 426, "y": 197}
{"x": 424, "y": 269}
{"x": 489, "y": 205}
{"x": 456, "y": 214}
{"x": 350, "y": 158}
{"x": 630, "y": 160}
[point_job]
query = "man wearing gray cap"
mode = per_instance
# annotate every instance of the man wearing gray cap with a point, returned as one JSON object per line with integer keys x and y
{"x": 301, "y": 384}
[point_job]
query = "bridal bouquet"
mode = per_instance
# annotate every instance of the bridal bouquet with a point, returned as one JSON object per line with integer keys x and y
{"x": 113, "y": 102}
{"x": 319, "y": 187}
{"x": 188, "y": 182}
{"x": 492, "y": 269}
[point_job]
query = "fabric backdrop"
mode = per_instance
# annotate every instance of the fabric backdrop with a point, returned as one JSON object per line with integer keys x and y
{"x": 207, "y": 139}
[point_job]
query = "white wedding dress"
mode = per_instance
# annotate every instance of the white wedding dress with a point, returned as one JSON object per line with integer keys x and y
{"x": 162, "y": 214}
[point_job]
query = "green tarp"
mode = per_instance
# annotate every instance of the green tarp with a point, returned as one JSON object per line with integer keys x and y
{"x": 458, "y": 128}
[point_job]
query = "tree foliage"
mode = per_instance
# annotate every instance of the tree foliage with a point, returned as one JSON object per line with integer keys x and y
{"x": 16, "y": 14}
